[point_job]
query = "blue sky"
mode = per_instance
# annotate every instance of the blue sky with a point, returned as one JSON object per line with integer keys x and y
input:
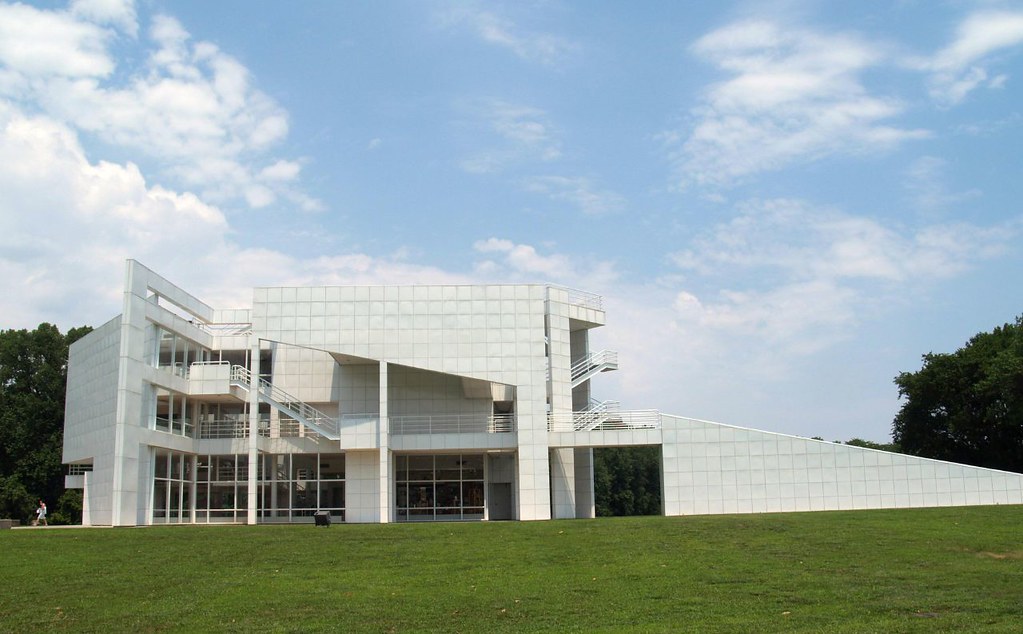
{"x": 784, "y": 204}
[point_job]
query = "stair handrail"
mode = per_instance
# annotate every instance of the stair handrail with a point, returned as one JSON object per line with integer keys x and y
{"x": 605, "y": 359}
{"x": 242, "y": 375}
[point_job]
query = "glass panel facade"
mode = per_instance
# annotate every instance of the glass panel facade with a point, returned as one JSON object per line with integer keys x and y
{"x": 172, "y": 487}
{"x": 439, "y": 487}
{"x": 172, "y": 412}
{"x": 176, "y": 353}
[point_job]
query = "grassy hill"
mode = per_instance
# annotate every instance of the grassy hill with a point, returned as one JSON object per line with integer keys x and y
{"x": 930, "y": 570}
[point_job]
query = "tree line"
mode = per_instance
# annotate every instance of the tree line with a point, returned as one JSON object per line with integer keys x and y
{"x": 33, "y": 378}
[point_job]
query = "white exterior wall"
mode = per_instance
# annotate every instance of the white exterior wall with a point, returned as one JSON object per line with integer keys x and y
{"x": 394, "y": 351}
{"x": 417, "y": 393}
{"x": 362, "y": 486}
{"x": 359, "y": 388}
{"x": 492, "y": 333}
{"x": 89, "y": 415}
{"x": 710, "y": 468}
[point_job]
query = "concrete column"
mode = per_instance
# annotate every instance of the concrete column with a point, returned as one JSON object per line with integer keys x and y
{"x": 563, "y": 495}
{"x": 585, "y": 501}
{"x": 386, "y": 508}
{"x": 253, "y": 430}
{"x": 192, "y": 486}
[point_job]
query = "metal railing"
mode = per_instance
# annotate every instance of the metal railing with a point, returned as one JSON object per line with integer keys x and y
{"x": 581, "y": 298}
{"x": 607, "y": 418}
{"x": 78, "y": 469}
{"x": 452, "y": 424}
{"x": 225, "y": 329}
{"x": 303, "y": 411}
{"x": 602, "y": 361}
{"x": 230, "y": 426}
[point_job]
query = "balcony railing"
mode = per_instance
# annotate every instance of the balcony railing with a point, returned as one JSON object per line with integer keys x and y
{"x": 452, "y": 424}
{"x": 225, "y": 329}
{"x": 590, "y": 420}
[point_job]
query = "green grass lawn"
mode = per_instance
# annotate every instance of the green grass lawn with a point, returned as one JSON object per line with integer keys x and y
{"x": 929, "y": 570}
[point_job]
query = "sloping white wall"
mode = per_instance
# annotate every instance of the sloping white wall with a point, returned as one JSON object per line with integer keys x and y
{"x": 413, "y": 392}
{"x": 711, "y": 468}
{"x": 90, "y": 410}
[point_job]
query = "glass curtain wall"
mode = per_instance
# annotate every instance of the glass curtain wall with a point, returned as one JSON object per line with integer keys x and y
{"x": 175, "y": 353}
{"x": 173, "y": 412}
{"x": 172, "y": 487}
{"x": 294, "y": 486}
{"x": 222, "y": 488}
{"x": 439, "y": 487}
{"x": 291, "y": 488}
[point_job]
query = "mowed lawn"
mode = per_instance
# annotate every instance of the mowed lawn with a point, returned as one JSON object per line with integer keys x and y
{"x": 929, "y": 570}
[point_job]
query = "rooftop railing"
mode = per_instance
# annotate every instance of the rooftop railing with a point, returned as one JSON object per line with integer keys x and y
{"x": 582, "y": 298}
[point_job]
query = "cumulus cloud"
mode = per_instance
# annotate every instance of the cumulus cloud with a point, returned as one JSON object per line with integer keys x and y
{"x": 506, "y": 261}
{"x": 965, "y": 64}
{"x": 119, "y": 13}
{"x": 45, "y": 44}
{"x": 190, "y": 107}
{"x": 67, "y": 224}
{"x": 794, "y": 95}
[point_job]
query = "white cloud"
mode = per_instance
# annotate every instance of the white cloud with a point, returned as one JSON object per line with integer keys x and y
{"x": 926, "y": 184}
{"x": 514, "y": 133}
{"x": 963, "y": 65}
{"x": 45, "y": 44}
{"x": 67, "y": 224}
{"x": 818, "y": 270}
{"x": 281, "y": 171}
{"x": 501, "y": 31}
{"x": 120, "y": 13}
{"x": 507, "y": 261}
{"x": 794, "y": 95}
{"x": 578, "y": 192}
{"x": 792, "y": 240}
{"x": 191, "y": 108}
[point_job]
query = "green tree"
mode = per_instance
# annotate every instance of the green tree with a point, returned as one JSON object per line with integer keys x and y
{"x": 869, "y": 444}
{"x": 33, "y": 378}
{"x": 967, "y": 406}
{"x": 627, "y": 480}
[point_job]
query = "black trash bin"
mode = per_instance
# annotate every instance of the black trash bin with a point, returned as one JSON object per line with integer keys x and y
{"x": 322, "y": 518}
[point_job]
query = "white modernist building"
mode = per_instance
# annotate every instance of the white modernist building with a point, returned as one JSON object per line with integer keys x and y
{"x": 414, "y": 403}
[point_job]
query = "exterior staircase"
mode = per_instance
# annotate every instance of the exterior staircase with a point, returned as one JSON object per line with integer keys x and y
{"x": 599, "y": 413}
{"x": 288, "y": 405}
{"x": 592, "y": 364}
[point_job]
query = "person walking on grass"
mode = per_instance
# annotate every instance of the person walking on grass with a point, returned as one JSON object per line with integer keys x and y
{"x": 40, "y": 515}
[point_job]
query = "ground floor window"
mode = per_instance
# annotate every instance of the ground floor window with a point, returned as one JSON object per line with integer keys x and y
{"x": 214, "y": 488}
{"x": 172, "y": 488}
{"x": 439, "y": 487}
{"x": 222, "y": 488}
{"x": 293, "y": 486}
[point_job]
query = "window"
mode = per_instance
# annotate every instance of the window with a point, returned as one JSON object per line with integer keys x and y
{"x": 439, "y": 487}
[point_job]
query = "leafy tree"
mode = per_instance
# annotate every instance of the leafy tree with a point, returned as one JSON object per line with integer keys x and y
{"x": 869, "y": 444}
{"x": 33, "y": 377}
{"x": 967, "y": 406}
{"x": 627, "y": 480}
